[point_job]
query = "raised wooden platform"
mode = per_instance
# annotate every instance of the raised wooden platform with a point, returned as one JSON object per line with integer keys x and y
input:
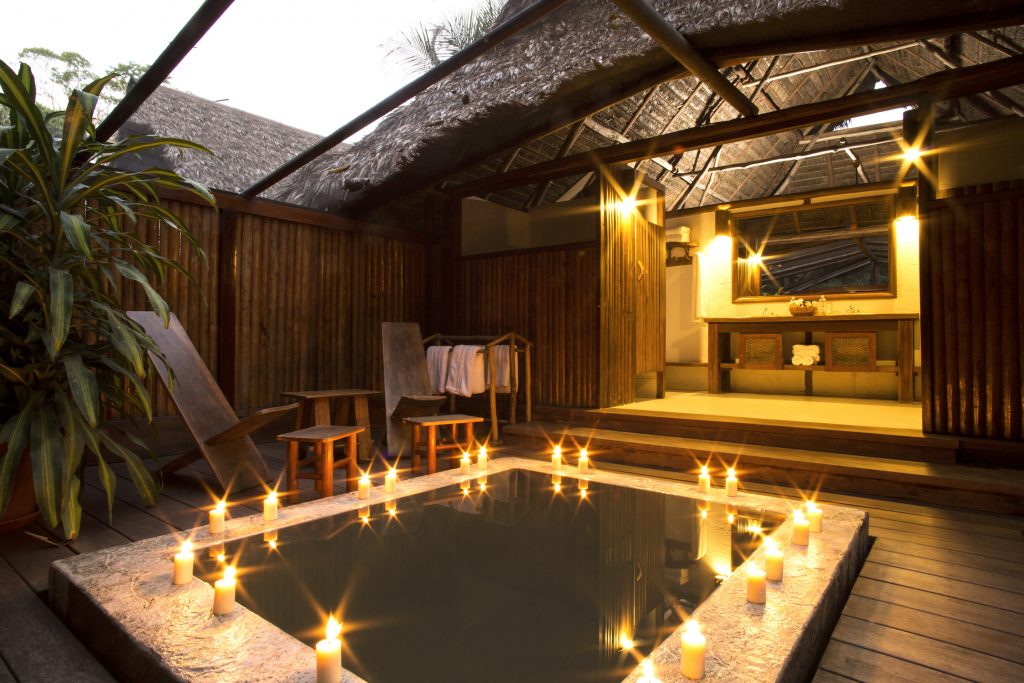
{"x": 973, "y": 487}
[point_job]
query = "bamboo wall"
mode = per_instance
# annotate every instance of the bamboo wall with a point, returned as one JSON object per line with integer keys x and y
{"x": 972, "y": 289}
{"x": 550, "y": 297}
{"x": 308, "y": 301}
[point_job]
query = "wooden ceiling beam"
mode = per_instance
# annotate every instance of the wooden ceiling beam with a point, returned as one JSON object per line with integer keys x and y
{"x": 190, "y": 34}
{"x": 674, "y": 43}
{"x": 941, "y": 86}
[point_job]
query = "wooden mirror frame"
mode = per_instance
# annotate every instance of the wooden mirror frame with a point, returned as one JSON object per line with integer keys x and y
{"x": 735, "y": 217}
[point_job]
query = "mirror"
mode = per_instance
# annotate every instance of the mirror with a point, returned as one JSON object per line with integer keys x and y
{"x": 840, "y": 250}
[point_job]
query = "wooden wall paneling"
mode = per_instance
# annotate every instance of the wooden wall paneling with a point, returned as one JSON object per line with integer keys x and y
{"x": 650, "y": 321}
{"x": 618, "y": 301}
{"x": 1011, "y": 258}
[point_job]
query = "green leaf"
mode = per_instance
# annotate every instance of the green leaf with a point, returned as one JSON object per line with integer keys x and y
{"x": 22, "y": 291}
{"x": 15, "y": 434}
{"x": 5, "y": 154}
{"x": 77, "y": 232}
{"x": 77, "y": 118}
{"x": 83, "y": 388}
{"x": 21, "y": 100}
{"x": 124, "y": 341}
{"x": 62, "y": 301}
{"x": 45, "y": 447}
{"x": 71, "y": 508}
{"x": 109, "y": 484}
{"x": 155, "y": 300}
{"x": 139, "y": 474}
{"x": 140, "y": 389}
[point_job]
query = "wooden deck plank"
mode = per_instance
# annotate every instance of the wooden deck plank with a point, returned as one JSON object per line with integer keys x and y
{"x": 30, "y": 557}
{"x": 946, "y": 657}
{"x": 36, "y": 646}
{"x": 1010, "y": 544}
{"x": 1007, "y": 532}
{"x": 950, "y": 556}
{"x": 982, "y": 549}
{"x": 947, "y": 629}
{"x": 934, "y": 603}
{"x": 822, "y": 676}
{"x": 133, "y": 523}
{"x": 870, "y": 666}
{"x": 964, "y": 590}
{"x": 168, "y": 510}
{"x": 978, "y": 577}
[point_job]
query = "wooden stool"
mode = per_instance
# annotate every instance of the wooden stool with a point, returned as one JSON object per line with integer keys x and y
{"x": 322, "y": 460}
{"x": 431, "y": 424}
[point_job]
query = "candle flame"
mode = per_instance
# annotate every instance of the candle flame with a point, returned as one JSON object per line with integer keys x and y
{"x": 558, "y": 450}
{"x": 754, "y": 570}
{"x": 558, "y": 488}
{"x": 811, "y": 507}
{"x": 583, "y": 454}
{"x": 769, "y": 544}
{"x": 692, "y": 627}
{"x": 703, "y": 514}
{"x": 220, "y": 506}
{"x": 221, "y": 558}
{"x": 732, "y": 518}
{"x": 483, "y": 451}
{"x": 365, "y": 479}
{"x": 798, "y": 515}
{"x": 647, "y": 667}
{"x": 272, "y": 496}
{"x": 186, "y": 547}
{"x": 583, "y": 493}
{"x": 272, "y": 544}
{"x": 393, "y": 512}
{"x": 465, "y": 456}
{"x": 704, "y": 470}
{"x": 732, "y": 473}
{"x": 333, "y": 629}
{"x": 229, "y": 572}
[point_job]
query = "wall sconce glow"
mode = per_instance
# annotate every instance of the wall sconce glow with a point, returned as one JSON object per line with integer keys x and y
{"x": 912, "y": 153}
{"x": 908, "y": 228}
{"x": 755, "y": 259}
{"x": 720, "y": 248}
{"x": 627, "y": 204}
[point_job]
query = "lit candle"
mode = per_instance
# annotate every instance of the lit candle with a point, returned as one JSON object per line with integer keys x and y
{"x": 215, "y": 550}
{"x": 732, "y": 484}
{"x": 773, "y": 560}
{"x": 364, "y": 486}
{"x": 224, "y": 592}
{"x": 391, "y": 481}
{"x": 465, "y": 464}
{"x": 270, "y": 506}
{"x": 465, "y": 487}
{"x": 584, "y": 486}
{"x": 270, "y": 535}
{"x": 703, "y": 505}
{"x": 801, "y": 529}
{"x": 328, "y": 654}
{"x": 556, "y": 479}
{"x": 391, "y": 506}
{"x": 814, "y": 517}
{"x": 584, "y": 463}
{"x": 364, "y": 514}
{"x": 704, "y": 480}
{"x": 482, "y": 482}
{"x": 694, "y": 646}
{"x": 556, "y": 457}
{"x": 481, "y": 459}
{"x": 756, "y": 585}
{"x": 183, "y": 564}
{"x": 217, "y": 517}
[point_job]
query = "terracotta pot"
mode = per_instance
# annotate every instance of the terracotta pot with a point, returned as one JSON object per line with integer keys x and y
{"x": 22, "y": 509}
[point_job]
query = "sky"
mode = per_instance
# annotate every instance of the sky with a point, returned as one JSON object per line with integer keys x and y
{"x": 312, "y": 64}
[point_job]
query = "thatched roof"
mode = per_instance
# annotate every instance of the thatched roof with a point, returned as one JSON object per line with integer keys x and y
{"x": 246, "y": 146}
{"x": 587, "y": 47}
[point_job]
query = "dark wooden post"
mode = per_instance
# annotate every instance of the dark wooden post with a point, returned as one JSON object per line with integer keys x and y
{"x": 917, "y": 131}
{"x": 227, "y": 298}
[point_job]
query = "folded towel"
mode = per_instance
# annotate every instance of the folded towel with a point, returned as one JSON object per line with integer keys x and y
{"x": 437, "y": 367}
{"x": 466, "y": 371}
{"x": 501, "y": 369}
{"x": 811, "y": 349}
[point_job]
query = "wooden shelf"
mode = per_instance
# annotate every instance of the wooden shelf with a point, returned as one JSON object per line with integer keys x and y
{"x": 811, "y": 368}
{"x": 684, "y": 260}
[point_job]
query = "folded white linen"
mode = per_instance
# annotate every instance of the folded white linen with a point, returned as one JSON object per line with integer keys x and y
{"x": 437, "y": 367}
{"x": 466, "y": 371}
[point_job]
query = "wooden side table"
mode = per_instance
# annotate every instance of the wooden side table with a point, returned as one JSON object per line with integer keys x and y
{"x": 431, "y": 423}
{"x": 315, "y": 411}
{"x": 322, "y": 438}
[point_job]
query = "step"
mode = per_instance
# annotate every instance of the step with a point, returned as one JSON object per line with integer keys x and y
{"x": 897, "y": 444}
{"x": 972, "y": 487}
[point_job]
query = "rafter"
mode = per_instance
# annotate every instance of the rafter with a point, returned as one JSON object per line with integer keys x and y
{"x": 673, "y": 42}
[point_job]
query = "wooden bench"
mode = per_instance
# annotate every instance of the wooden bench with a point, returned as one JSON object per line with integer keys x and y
{"x": 322, "y": 438}
{"x": 431, "y": 425}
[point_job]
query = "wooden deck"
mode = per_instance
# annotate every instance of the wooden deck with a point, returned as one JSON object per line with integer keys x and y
{"x": 941, "y": 596}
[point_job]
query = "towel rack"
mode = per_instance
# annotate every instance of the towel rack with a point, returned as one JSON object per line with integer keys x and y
{"x": 518, "y": 346}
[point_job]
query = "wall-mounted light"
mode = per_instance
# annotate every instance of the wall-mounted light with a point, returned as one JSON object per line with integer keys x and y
{"x": 912, "y": 154}
{"x": 627, "y": 204}
{"x": 907, "y": 224}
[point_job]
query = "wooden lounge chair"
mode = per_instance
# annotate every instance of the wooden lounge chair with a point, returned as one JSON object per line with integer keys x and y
{"x": 222, "y": 438}
{"x": 407, "y": 390}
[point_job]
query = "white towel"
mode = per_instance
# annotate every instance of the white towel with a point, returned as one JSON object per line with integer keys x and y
{"x": 806, "y": 354}
{"x": 501, "y": 369}
{"x": 466, "y": 371}
{"x": 437, "y": 367}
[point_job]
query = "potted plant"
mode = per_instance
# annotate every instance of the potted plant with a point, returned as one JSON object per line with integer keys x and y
{"x": 70, "y": 359}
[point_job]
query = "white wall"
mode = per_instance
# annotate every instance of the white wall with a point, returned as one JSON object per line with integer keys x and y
{"x": 488, "y": 227}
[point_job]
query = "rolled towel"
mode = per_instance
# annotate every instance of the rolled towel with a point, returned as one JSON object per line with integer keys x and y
{"x": 437, "y": 367}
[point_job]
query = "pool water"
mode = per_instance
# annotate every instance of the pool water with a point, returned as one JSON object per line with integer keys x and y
{"x": 517, "y": 581}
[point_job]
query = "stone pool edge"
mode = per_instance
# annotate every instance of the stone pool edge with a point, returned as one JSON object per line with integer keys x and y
{"x": 118, "y": 601}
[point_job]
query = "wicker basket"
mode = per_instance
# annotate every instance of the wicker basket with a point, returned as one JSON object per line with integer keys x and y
{"x": 796, "y": 309}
